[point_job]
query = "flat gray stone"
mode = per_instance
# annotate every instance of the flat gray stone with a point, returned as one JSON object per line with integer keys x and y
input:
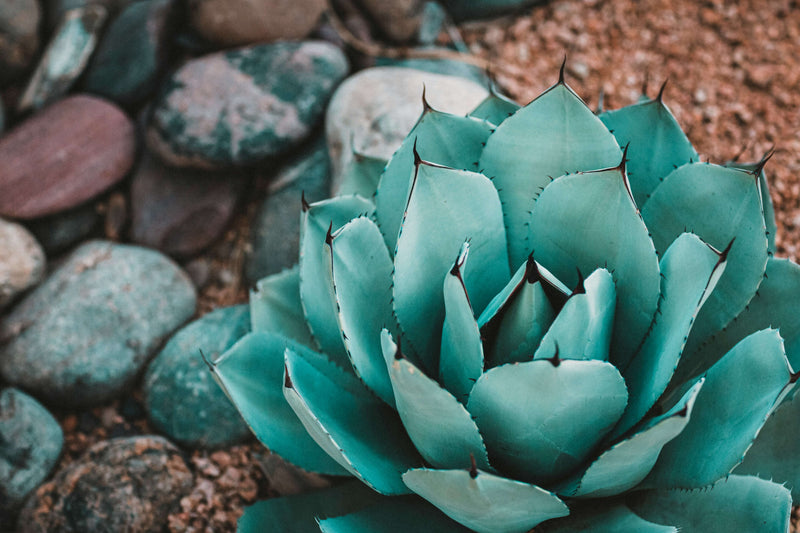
{"x": 22, "y": 261}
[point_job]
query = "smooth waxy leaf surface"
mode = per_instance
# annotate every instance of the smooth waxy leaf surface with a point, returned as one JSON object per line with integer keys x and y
{"x": 251, "y": 374}
{"x": 554, "y": 135}
{"x": 461, "y": 206}
{"x": 361, "y": 175}
{"x": 600, "y": 229}
{"x": 603, "y": 518}
{"x": 495, "y": 108}
{"x": 542, "y": 418}
{"x": 395, "y": 515}
{"x": 440, "y": 138}
{"x": 736, "y": 503}
{"x": 355, "y": 428}
{"x": 275, "y": 307}
{"x": 316, "y": 286}
{"x": 657, "y": 145}
{"x": 740, "y": 392}
{"x": 485, "y": 502}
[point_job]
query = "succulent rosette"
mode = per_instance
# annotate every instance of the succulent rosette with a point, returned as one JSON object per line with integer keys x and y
{"x": 534, "y": 316}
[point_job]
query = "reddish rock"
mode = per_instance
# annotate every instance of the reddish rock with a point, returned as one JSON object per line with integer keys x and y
{"x": 63, "y": 156}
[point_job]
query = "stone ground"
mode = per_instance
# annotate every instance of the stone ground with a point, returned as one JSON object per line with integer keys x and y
{"x": 732, "y": 84}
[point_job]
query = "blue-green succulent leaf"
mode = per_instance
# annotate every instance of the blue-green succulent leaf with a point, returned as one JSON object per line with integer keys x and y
{"x": 361, "y": 175}
{"x": 601, "y": 228}
{"x": 628, "y": 462}
{"x": 251, "y": 374}
{"x": 461, "y": 359}
{"x": 393, "y": 515}
{"x": 440, "y": 138}
{"x": 316, "y": 286}
{"x": 355, "y": 428}
{"x": 736, "y": 503}
{"x": 542, "y": 419}
{"x": 690, "y": 269}
{"x": 740, "y": 392}
{"x": 275, "y": 307}
{"x": 495, "y": 108}
{"x": 719, "y": 204}
{"x": 657, "y": 144}
{"x": 582, "y": 329}
{"x": 485, "y": 502}
{"x": 299, "y": 514}
{"x": 362, "y": 275}
{"x": 603, "y": 518}
{"x": 773, "y": 454}
{"x": 462, "y": 206}
{"x": 554, "y": 135}
{"x": 766, "y": 199}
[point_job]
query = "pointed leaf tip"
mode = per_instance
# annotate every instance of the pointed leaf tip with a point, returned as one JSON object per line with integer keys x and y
{"x": 561, "y": 71}
{"x": 532, "y": 274}
{"x": 287, "y": 380}
{"x": 417, "y": 157}
{"x": 556, "y": 359}
{"x": 208, "y": 363}
{"x": 761, "y": 164}
{"x": 473, "y": 469}
{"x": 303, "y": 202}
{"x": 579, "y": 287}
{"x": 660, "y": 97}
{"x": 426, "y": 107}
{"x": 329, "y": 235}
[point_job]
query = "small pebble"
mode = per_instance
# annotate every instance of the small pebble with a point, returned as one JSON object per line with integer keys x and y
{"x": 22, "y": 262}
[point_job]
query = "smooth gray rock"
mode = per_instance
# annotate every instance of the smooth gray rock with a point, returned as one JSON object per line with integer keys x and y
{"x": 19, "y": 37}
{"x": 83, "y": 335}
{"x": 373, "y": 111}
{"x": 58, "y": 232}
{"x": 22, "y": 261}
{"x": 30, "y": 443}
{"x": 469, "y": 9}
{"x": 181, "y": 397}
{"x": 242, "y": 106}
{"x": 275, "y": 233}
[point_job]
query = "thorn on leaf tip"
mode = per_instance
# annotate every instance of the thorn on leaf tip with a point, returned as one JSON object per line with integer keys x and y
{"x": 329, "y": 234}
{"x": 532, "y": 274}
{"x": 660, "y": 97}
{"x": 556, "y": 359}
{"x": 473, "y": 468}
{"x": 562, "y": 69}
{"x": 303, "y": 202}
{"x": 287, "y": 381}
{"x": 579, "y": 288}
{"x": 208, "y": 363}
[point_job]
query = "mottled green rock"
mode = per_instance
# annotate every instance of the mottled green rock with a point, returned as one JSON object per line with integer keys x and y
{"x": 181, "y": 398}
{"x": 30, "y": 443}
{"x": 83, "y": 335}
{"x": 242, "y": 106}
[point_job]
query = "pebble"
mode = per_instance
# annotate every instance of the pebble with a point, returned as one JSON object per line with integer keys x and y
{"x": 399, "y": 20}
{"x": 373, "y": 111}
{"x": 239, "y": 22}
{"x": 469, "y": 9}
{"x": 181, "y": 397}
{"x": 242, "y": 106}
{"x": 55, "y": 9}
{"x": 81, "y": 337}
{"x": 65, "y": 58}
{"x": 275, "y": 233}
{"x": 133, "y": 52}
{"x": 123, "y": 484}
{"x": 46, "y": 167}
{"x": 181, "y": 211}
{"x": 30, "y": 443}
{"x": 19, "y": 36}
{"x": 22, "y": 261}
{"x": 56, "y": 233}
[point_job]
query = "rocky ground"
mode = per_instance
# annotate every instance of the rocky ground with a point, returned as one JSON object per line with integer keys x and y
{"x": 141, "y": 131}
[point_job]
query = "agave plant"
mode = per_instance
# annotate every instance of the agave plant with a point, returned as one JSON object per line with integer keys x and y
{"x": 534, "y": 316}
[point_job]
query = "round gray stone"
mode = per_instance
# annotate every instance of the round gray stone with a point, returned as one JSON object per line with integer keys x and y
{"x": 30, "y": 443}
{"x": 181, "y": 397}
{"x": 83, "y": 335}
{"x": 243, "y": 106}
{"x": 22, "y": 261}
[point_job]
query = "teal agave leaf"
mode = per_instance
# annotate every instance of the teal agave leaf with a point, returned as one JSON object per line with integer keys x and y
{"x": 532, "y": 317}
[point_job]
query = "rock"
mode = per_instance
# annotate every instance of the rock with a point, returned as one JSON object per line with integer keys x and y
{"x": 55, "y": 9}
{"x": 63, "y": 156}
{"x": 286, "y": 479}
{"x": 19, "y": 37}
{"x": 2, "y": 117}
{"x": 449, "y": 67}
{"x": 58, "y": 232}
{"x": 373, "y": 111}
{"x": 399, "y": 20}
{"x": 83, "y": 335}
{"x": 238, "y": 22}
{"x": 181, "y": 397}
{"x": 131, "y": 55}
{"x": 22, "y": 261}
{"x": 30, "y": 443}
{"x": 242, "y": 106}
{"x": 181, "y": 211}
{"x": 469, "y": 9}
{"x": 124, "y": 484}
{"x": 65, "y": 57}
{"x": 275, "y": 233}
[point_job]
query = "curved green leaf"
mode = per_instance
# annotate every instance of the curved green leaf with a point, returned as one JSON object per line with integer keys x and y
{"x": 495, "y": 108}
{"x": 657, "y": 145}
{"x": 724, "y": 422}
{"x": 393, "y": 515}
{"x": 440, "y": 138}
{"x": 485, "y": 502}
{"x": 356, "y": 429}
{"x": 718, "y": 204}
{"x": 554, "y": 135}
{"x": 316, "y": 286}
{"x": 461, "y": 206}
{"x": 736, "y": 503}
{"x": 361, "y": 175}
{"x": 603, "y": 518}
{"x": 766, "y": 200}
{"x": 542, "y": 419}
{"x": 251, "y": 374}
{"x": 275, "y": 307}
{"x": 601, "y": 229}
